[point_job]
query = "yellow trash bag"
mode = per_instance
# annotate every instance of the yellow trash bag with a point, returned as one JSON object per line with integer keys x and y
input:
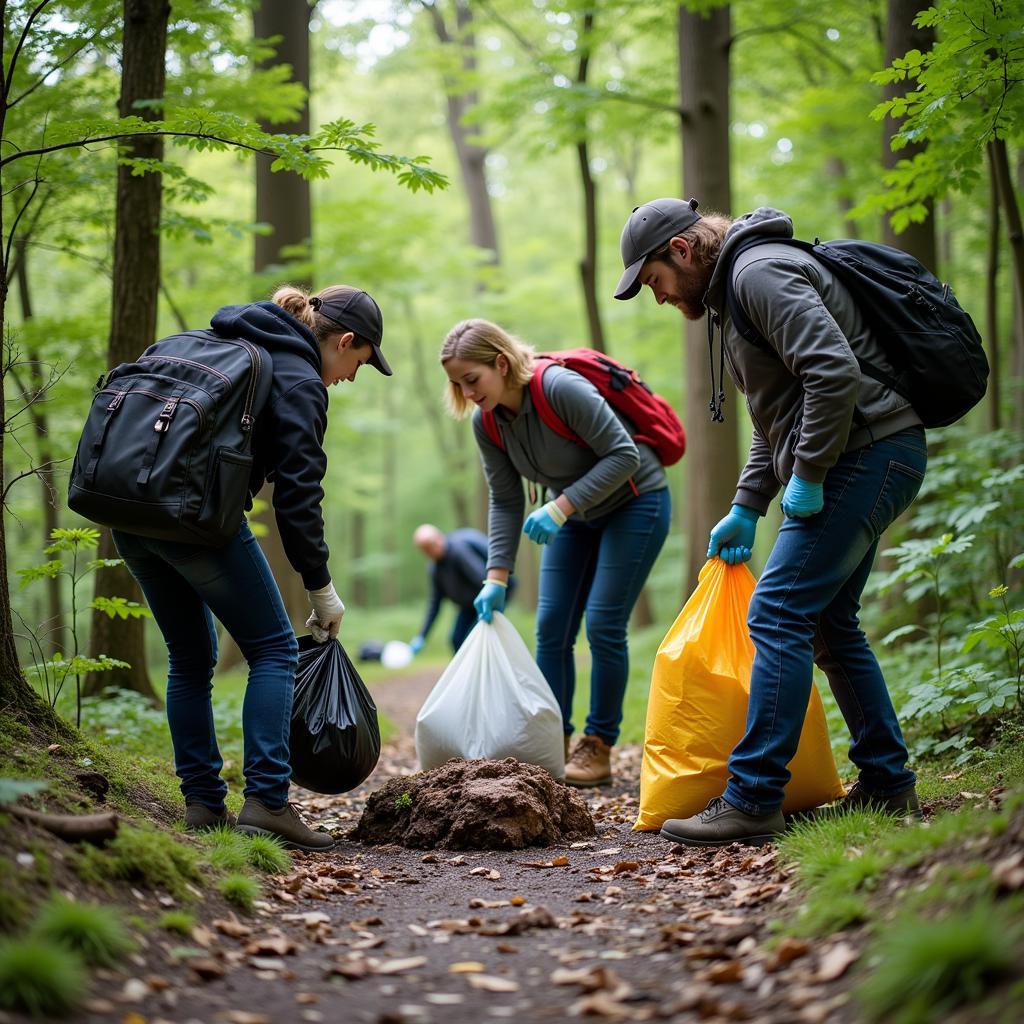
{"x": 697, "y": 710}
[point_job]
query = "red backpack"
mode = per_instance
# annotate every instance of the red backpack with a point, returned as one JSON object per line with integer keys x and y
{"x": 654, "y": 420}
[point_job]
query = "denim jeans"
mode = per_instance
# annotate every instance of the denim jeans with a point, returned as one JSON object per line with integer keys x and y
{"x": 183, "y": 585}
{"x": 804, "y": 610}
{"x": 465, "y": 620}
{"x": 599, "y": 567}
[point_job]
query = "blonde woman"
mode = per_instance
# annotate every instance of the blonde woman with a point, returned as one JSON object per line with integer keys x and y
{"x": 604, "y": 522}
{"x": 313, "y": 341}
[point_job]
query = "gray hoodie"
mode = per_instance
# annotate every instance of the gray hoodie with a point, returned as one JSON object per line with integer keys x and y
{"x": 596, "y": 479}
{"x": 801, "y": 402}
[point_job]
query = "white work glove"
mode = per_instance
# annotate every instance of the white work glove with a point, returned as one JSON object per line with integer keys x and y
{"x": 328, "y": 611}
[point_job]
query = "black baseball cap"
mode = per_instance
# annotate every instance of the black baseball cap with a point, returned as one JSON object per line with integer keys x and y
{"x": 649, "y": 227}
{"x": 357, "y": 312}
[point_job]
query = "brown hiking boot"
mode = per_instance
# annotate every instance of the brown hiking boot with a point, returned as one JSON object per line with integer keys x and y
{"x": 903, "y": 804}
{"x": 200, "y": 818}
{"x": 590, "y": 763}
{"x": 256, "y": 819}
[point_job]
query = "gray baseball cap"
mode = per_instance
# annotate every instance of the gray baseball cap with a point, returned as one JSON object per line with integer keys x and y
{"x": 650, "y": 226}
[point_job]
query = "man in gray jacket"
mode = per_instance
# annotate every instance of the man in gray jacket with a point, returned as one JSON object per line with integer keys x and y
{"x": 850, "y": 454}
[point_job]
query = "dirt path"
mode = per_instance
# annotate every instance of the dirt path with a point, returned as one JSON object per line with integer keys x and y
{"x": 622, "y": 927}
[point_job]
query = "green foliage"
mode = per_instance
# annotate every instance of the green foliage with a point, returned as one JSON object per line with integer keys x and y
{"x": 95, "y": 933}
{"x": 927, "y": 968}
{"x": 239, "y": 890}
{"x": 40, "y": 978}
{"x": 966, "y": 92}
{"x": 267, "y": 854}
{"x": 403, "y": 802}
{"x": 14, "y": 906}
{"x": 180, "y": 922}
{"x": 53, "y": 672}
{"x": 145, "y": 856}
{"x": 228, "y": 849}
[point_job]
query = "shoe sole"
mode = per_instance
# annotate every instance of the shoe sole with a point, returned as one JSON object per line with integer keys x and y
{"x": 289, "y": 844}
{"x": 759, "y": 840}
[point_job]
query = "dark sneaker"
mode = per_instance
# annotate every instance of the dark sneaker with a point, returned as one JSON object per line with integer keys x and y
{"x": 903, "y": 804}
{"x": 256, "y": 819}
{"x": 199, "y": 817}
{"x": 720, "y": 824}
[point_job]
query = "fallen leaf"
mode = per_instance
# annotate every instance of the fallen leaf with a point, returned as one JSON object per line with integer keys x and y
{"x": 723, "y": 973}
{"x": 625, "y": 865}
{"x": 445, "y": 998}
{"x": 488, "y": 873}
{"x": 134, "y": 991}
{"x": 243, "y": 1017}
{"x": 304, "y": 998}
{"x": 272, "y": 945}
{"x": 408, "y": 963}
{"x": 835, "y": 961}
{"x": 232, "y": 927}
{"x": 787, "y": 951}
{"x": 479, "y": 904}
{"x": 466, "y": 967}
{"x": 492, "y": 983}
{"x": 207, "y": 969}
{"x": 517, "y": 901}
{"x": 1008, "y": 873}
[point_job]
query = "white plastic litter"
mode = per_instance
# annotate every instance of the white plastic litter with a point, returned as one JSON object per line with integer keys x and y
{"x": 492, "y": 702}
{"x": 395, "y": 654}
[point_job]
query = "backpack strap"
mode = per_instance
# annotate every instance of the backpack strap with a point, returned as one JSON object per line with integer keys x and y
{"x": 548, "y": 416}
{"x": 492, "y": 430}
{"x": 89, "y": 474}
{"x": 160, "y": 427}
{"x": 741, "y": 322}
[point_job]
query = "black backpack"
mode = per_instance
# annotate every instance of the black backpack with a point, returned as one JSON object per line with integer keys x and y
{"x": 930, "y": 340}
{"x": 166, "y": 451}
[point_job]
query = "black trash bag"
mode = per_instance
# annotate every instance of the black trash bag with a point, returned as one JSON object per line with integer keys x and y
{"x": 335, "y": 739}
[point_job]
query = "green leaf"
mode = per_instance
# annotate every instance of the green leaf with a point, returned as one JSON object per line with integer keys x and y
{"x": 12, "y": 789}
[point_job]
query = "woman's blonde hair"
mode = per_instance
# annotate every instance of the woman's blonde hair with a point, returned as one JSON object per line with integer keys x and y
{"x": 296, "y": 302}
{"x": 480, "y": 341}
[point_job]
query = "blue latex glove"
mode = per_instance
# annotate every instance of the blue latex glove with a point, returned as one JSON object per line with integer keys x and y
{"x": 416, "y": 643}
{"x": 733, "y": 537}
{"x": 542, "y": 525}
{"x": 802, "y": 499}
{"x": 490, "y": 600}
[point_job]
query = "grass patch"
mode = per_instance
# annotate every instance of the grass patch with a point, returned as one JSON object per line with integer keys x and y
{"x": 145, "y": 856}
{"x": 926, "y": 968}
{"x": 40, "y": 978}
{"x": 239, "y": 890}
{"x": 180, "y": 922}
{"x": 95, "y": 933}
{"x": 14, "y": 907}
{"x": 267, "y": 854}
{"x": 227, "y": 849}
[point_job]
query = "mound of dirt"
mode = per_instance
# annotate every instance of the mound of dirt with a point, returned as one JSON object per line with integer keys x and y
{"x": 475, "y": 805}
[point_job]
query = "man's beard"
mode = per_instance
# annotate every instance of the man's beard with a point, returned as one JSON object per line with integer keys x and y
{"x": 690, "y": 286}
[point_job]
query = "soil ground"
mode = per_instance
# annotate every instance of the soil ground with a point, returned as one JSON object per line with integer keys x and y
{"x": 623, "y": 927}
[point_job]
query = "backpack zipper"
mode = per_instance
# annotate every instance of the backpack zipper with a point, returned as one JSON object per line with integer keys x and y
{"x": 187, "y": 362}
{"x": 164, "y": 415}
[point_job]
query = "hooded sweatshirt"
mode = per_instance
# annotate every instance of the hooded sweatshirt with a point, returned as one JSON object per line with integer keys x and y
{"x": 802, "y": 399}
{"x": 289, "y": 434}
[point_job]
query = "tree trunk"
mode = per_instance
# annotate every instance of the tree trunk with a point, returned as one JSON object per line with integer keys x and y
{"x": 902, "y": 35}
{"x": 835, "y": 168}
{"x": 134, "y": 305}
{"x": 283, "y": 203}
{"x": 712, "y": 464}
{"x": 471, "y": 156}
{"x": 1018, "y": 331}
{"x": 1011, "y": 212}
{"x": 588, "y": 265}
{"x": 53, "y": 639}
{"x": 992, "y": 302}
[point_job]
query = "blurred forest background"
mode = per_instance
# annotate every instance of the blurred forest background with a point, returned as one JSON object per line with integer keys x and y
{"x": 478, "y": 158}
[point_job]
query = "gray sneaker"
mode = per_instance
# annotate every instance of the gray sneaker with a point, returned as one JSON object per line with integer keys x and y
{"x": 720, "y": 824}
{"x": 200, "y": 818}
{"x": 256, "y": 819}
{"x": 903, "y": 804}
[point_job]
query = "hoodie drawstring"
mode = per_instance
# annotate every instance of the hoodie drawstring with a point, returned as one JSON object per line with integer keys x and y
{"x": 717, "y": 394}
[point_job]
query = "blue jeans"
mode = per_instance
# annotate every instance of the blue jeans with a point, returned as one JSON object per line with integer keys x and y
{"x": 465, "y": 620}
{"x": 184, "y": 584}
{"x": 804, "y": 610}
{"x": 598, "y": 567}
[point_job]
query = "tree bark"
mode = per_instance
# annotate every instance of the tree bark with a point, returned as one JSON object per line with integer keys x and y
{"x": 902, "y": 35}
{"x": 992, "y": 303}
{"x": 1018, "y": 330}
{"x": 1011, "y": 211}
{"x": 472, "y": 157}
{"x": 835, "y": 168}
{"x": 134, "y": 305}
{"x": 283, "y": 203}
{"x": 712, "y": 463}
{"x": 588, "y": 265}
{"x": 53, "y": 639}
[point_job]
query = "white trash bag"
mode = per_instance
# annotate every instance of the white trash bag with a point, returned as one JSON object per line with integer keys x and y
{"x": 492, "y": 702}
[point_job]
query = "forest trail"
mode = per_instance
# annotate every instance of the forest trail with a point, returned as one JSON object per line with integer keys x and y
{"x": 621, "y": 927}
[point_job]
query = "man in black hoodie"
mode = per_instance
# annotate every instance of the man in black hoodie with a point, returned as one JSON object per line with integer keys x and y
{"x": 314, "y": 342}
{"x": 850, "y": 453}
